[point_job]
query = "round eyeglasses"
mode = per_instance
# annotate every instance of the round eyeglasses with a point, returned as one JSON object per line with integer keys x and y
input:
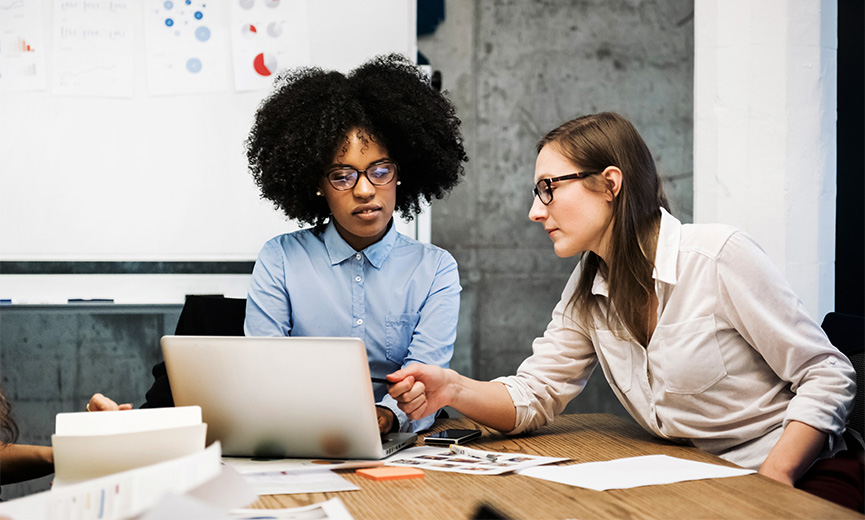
{"x": 544, "y": 188}
{"x": 378, "y": 173}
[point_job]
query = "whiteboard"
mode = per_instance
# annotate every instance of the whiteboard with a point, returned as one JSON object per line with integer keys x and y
{"x": 155, "y": 178}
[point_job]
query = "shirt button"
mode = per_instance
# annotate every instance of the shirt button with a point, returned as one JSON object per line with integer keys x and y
{"x": 357, "y": 256}
{"x": 357, "y": 279}
{"x": 359, "y": 321}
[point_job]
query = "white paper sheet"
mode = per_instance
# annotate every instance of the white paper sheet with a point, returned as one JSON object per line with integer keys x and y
{"x": 209, "y": 501}
{"x": 93, "y": 444}
{"x": 121, "y": 495}
{"x": 332, "y": 509}
{"x": 228, "y": 491}
{"x": 92, "y": 48}
{"x": 22, "y": 47}
{"x": 177, "y": 507}
{"x": 281, "y": 483}
{"x": 186, "y": 47}
{"x": 267, "y": 37}
{"x": 245, "y": 465}
{"x": 632, "y": 472}
{"x": 125, "y": 421}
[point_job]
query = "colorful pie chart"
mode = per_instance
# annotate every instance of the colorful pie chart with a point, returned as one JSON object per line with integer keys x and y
{"x": 264, "y": 64}
{"x": 249, "y": 31}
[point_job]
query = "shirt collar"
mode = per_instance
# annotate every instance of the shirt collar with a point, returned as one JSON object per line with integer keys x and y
{"x": 667, "y": 250}
{"x": 666, "y": 255}
{"x": 338, "y": 249}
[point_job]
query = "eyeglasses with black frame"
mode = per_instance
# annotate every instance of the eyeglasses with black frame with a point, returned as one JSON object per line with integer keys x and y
{"x": 544, "y": 188}
{"x": 378, "y": 173}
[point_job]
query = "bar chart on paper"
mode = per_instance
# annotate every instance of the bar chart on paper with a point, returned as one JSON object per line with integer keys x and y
{"x": 22, "y": 49}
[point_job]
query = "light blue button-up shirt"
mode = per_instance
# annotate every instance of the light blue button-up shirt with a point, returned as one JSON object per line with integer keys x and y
{"x": 400, "y": 296}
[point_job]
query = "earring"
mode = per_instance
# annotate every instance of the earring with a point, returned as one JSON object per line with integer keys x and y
{"x": 398, "y": 183}
{"x": 318, "y": 192}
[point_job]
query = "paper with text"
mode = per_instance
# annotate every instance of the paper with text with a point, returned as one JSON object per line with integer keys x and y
{"x": 473, "y": 462}
{"x": 121, "y": 495}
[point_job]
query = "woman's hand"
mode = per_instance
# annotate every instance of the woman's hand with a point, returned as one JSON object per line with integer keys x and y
{"x": 386, "y": 419}
{"x": 100, "y": 403}
{"x": 420, "y": 390}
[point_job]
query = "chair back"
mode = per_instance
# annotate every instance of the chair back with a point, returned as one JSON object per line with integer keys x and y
{"x": 847, "y": 333}
{"x": 202, "y": 315}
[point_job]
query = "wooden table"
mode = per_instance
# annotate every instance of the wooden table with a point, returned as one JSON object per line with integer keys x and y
{"x": 583, "y": 438}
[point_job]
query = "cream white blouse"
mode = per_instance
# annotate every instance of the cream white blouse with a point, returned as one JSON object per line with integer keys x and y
{"x": 733, "y": 358}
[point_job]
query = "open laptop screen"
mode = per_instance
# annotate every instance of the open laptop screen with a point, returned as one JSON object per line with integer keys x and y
{"x": 305, "y": 397}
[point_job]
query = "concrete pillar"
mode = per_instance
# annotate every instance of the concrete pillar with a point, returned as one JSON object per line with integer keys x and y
{"x": 765, "y": 108}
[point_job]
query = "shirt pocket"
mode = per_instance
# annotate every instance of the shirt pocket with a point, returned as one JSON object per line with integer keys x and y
{"x": 617, "y": 356}
{"x": 398, "y": 332}
{"x": 690, "y": 355}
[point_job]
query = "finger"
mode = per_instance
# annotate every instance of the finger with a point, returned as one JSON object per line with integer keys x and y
{"x": 417, "y": 390}
{"x": 416, "y": 405}
{"x": 125, "y": 406}
{"x": 397, "y": 389}
{"x": 403, "y": 373}
{"x": 100, "y": 403}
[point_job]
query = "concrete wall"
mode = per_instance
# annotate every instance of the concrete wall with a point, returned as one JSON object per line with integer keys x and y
{"x": 516, "y": 69}
{"x": 53, "y": 358}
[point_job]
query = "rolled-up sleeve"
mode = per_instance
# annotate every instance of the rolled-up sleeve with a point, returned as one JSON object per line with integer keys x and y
{"x": 767, "y": 313}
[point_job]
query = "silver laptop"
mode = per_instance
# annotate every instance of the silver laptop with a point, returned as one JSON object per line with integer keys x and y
{"x": 299, "y": 397}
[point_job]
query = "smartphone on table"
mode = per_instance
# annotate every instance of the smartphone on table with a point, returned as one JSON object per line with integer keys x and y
{"x": 451, "y": 436}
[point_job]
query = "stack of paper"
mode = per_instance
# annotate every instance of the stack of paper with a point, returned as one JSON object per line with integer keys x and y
{"x": 90, "y": 445}
{"x": 117, "y": 465}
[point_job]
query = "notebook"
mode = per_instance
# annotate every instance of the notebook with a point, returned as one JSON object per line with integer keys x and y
{"x": 297, "y": 397}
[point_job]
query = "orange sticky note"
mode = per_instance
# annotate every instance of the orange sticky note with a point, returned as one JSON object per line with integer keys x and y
{"x": 390, "y": 473}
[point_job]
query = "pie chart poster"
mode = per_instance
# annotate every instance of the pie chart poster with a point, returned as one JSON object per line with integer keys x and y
{"x": 267, "y": 36}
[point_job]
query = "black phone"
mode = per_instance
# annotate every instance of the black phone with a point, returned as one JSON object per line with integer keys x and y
{"x": 452, "y": 436}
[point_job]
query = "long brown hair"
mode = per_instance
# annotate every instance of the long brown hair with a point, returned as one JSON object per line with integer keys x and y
{"x": 595, "y": 142}
{"x": 8, "y": 428}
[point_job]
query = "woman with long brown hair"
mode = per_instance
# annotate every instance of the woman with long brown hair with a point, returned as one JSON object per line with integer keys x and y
{"x": 699, "y": 335}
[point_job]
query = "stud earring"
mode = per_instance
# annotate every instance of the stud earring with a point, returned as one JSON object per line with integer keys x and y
{"x": 317, "y": 192}
{"x": 398, "y": 183}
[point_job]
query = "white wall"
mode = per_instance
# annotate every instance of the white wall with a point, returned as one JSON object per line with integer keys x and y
{"x": 765, "y": 109}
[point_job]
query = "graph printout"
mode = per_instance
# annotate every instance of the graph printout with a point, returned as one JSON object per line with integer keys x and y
{"x": 92, "y": 48}
{"x": 267, "y": 36}
{"x": 187, "y": 51}
{"x": 22, "y": 46}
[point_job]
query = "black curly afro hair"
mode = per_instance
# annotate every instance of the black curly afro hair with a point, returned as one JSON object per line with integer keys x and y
{"x": 305, "y": 121}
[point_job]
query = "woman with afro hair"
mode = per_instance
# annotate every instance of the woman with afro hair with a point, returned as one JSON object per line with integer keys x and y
{"x": 342, "y": 153}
